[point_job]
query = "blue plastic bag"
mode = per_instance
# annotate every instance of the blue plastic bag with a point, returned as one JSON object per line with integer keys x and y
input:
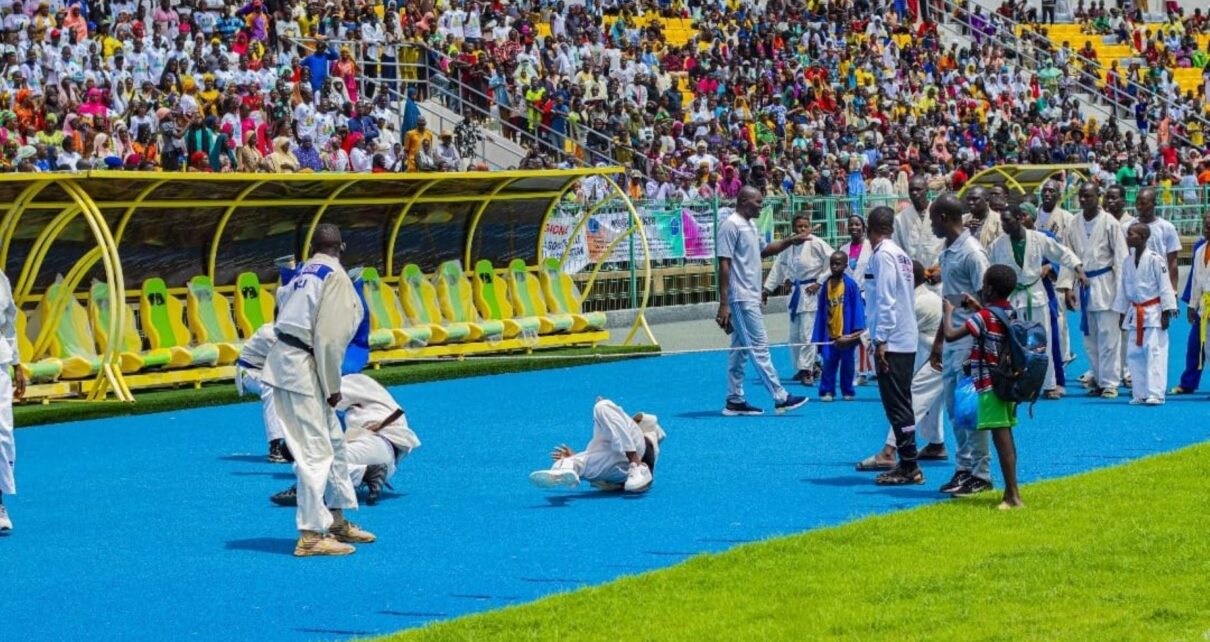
{"x": 966, "y": 405}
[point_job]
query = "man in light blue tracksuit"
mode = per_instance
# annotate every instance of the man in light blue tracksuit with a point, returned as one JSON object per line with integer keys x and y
{"x": 739, "y": 252}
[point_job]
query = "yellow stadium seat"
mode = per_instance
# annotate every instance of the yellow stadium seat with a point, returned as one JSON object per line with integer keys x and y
{"x": 491, "y": 298}
{"x": 253, "y": 304}
{"x": 457, "y": 298}
{"x": 131, "y": 356}
{"x": 161, "y": 316}
{"x": 386, "y": 324}
{"x": 71, "y": 339}
{"x": 419, "y": 299}
{"x": 36, "y": 370}
{"x": 209, "y": 316}
{"x": 528, "y": 301}
{"x": 563, "y": 296}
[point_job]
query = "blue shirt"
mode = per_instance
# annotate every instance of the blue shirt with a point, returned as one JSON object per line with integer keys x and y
{"x": 318, "y": 64}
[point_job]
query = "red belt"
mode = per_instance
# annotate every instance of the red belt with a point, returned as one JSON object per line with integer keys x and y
{"x": 1140, "y": 311}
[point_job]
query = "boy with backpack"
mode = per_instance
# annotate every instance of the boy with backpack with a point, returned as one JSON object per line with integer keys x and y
{"x": 1147, "y": 301}
{"x": 1005, "y": 361}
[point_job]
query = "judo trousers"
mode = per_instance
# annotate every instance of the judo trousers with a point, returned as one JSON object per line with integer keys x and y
{"x": 315, "y": 439}
{"x": 1148, "y": 364}
{"x": 1104, "y": 347}
{"x": 604, "y": 462}
{"x": 749, "y": 341}
{"x": 250, "y": 381}
{"x": 801, "y": 327}
{"x": 370, "y": 451}
{"x": 8, "y": 446}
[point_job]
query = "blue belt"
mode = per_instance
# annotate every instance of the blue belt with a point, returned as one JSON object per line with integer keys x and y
{"x": 245, "y": 365}
{"x": 795, "y": 296}
{"x": 1084, "y": 294}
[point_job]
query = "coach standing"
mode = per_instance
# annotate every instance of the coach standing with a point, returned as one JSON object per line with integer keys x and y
{"x": 314, "y": 327}
{"x": 891, "y": 320}
{"x": 739, "y": 287}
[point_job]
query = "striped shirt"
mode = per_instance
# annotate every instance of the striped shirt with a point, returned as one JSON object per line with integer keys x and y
{"x": 988, "y": 345}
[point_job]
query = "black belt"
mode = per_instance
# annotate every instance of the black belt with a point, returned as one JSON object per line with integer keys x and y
{"x": 294, "y": 342}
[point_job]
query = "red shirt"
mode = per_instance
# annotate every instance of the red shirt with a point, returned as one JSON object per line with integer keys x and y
{"x": 989, "y": 336}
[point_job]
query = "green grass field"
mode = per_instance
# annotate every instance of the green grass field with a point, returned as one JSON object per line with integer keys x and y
{"x": 33, "y": 414}
{"x": 1117, "y": 554}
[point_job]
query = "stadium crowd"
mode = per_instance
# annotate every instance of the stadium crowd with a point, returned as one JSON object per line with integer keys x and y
{"x": 805, "y": 98}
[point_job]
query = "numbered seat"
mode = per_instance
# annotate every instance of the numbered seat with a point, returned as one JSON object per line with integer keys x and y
{"x": 386, "y": 323}
{"x": 492, "y": 300}
{"x": 563, "y": 296}
{"x": 419, "y": 299}
{"x": 457, "y": 298}
{"x": 254, "y": 304}
{"x": 528, "y": 301}
{"x": 161, "y": 315}
{"x": 209, "y": 315}
{"x": 132, "y": 357}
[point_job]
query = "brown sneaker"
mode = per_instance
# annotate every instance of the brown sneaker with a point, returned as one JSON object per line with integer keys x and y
{"x": 312, "y": 544}
{"x": 348, "y": 532}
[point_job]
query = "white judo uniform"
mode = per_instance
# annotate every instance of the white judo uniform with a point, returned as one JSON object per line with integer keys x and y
{"x": 1101, "y": 245}
{"x": 801, "y": 265}
{"x": 249, "y": 369}
{"x": 365, "y": 404}
{"x": 1144, "y": 294}
{"x": 603, "y": 462}
{"x": 9, "y": 356}
{"x": 1029, "y": 298}
{"x": 914, "y": 233}
{"x": 928, "y": 386}
{"x": 1199, "y": 295}
{"x": 989, "y": 230}
{"x": 314, "y": 327}
{"x": 858, "y": 270}
{"x": 1058, "y": 223}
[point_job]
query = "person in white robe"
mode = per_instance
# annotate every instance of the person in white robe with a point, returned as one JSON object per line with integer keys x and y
{"x": 914, "y": 232}
{"x": 805, "y": 267}
{"x": 1055, "y": 222}
{"x": 1026, "y": 252}
{"x": 377, "y": 437}
{"x": 858, "y": 249}
{"x": 1199, "y": 301}
{"x": 621, "y": 456}
{"x": 249, "y": 369}
{"x": 980, "y": 218}
{"x": 10, "y": 388}
{"x": 314, "y": 328}
{"x": 1115, "y": 204}
{"x": 1098, "y": 240}
{"x": 1147, "y": 301}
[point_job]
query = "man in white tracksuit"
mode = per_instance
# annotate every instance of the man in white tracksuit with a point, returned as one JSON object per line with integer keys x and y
{"x": 249, "y": 369}
{"x": 314, "y": 328}
{"x": 1147, "y": 301}
{"x": 1026, "y": 252}
{"x": 1098, "y": 240}
{"x": 377, "y": 436}
{"x": 621, "y": 456}
{"x": 804, "y": 266}
{"x": 10, "y": 388}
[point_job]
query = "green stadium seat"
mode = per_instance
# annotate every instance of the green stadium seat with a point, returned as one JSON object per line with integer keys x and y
{"x": 420, "y": 304}
{"x": 528, "y": 301}
{"x": 457, "y": 298}
{"x": 71, "y": 341}
{"x": 36, "y": 370}
{"x": 209, "y": 316}
{"x": 131, "y": 356}
{"x": 161, "y": 316}
{"x": 563, "y": 296}
{"x": 492, "y": 300}
{"x": 386, "y": 323}
{"x": 253, "y": 304}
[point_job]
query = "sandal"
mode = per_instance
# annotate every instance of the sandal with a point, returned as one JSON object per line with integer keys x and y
{"x": 874, "y": 463}
{"x": 931, "y": 453}
{"x": 899, "y": 477}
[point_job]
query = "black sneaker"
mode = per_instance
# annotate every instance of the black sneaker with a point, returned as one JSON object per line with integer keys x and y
{"x": 279, "y": 453}
{"x": 973, "y": 486}
{"x": 374, "y": 477}
{"x": 955, "y": 482}
{"x": 742, "y": 409}
{"x": 791, "y": 402}
{"x": 288, "y": 497}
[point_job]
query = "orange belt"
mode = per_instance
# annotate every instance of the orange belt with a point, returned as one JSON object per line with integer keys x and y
{"x": 1140, "y": 311}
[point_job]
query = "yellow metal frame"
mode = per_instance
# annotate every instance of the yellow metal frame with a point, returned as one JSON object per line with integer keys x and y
{"x": 1012, "y": 173}
{"x": 79, "y": 199}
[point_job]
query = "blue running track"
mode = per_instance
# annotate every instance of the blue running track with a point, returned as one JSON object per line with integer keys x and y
{"x": 159, "y": 527}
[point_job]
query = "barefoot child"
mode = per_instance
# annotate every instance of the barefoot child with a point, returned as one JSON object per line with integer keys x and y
{"x": 1146, "y": 299}
{"x": 841, "y": 312}
{"x": 995, "y": 414}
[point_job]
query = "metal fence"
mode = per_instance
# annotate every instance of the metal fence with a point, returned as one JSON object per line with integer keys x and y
{"x": 691, "y": 279}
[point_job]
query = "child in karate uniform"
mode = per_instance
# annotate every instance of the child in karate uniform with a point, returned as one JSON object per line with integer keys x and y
{"x": 841, "y": 313}
{"x": 1146, "y": 299}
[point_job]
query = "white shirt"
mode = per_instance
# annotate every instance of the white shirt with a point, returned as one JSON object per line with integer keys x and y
{"x": 891, "y": 308}
{"x": 304, "y": 115}
{"x": 1163, "y": 240}
{"x": 739, "y": 241}
{"x": 929, "y": 312}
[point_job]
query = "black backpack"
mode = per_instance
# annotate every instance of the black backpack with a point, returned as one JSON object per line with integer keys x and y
{"x": 1020, "y": 373}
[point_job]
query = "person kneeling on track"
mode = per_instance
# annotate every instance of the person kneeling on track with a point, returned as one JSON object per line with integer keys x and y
{"x": 621, "y": 456}
{"x": 377, "y": 437}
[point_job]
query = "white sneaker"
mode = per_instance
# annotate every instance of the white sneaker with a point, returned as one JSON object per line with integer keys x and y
{"x": 6, "y": 524}
{"x": 638, "y": 478}
{"x": 1154, "y": 401}
{"x": 554, "y": 478}
{"x": 1136, "y": 402}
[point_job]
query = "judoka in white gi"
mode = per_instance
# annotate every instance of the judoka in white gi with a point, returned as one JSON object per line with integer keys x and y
{"x": 1114, "y": 202}
{"x": 1164, "y": 239}
{"x": 621, "y": 456}
{"x": 249, "y": 369}
{"x": 1101, "y": 246}
{"x": 914, "y": 233}
{"x": 314, "y": 327}
{"x": 805, "y": 267}
{"x": 981, "y": 219}
{"x": 858, "y": 249}
{"x": 1199, "y": 301}
{"x": 1056, "y": 222}
{"x": 10, "y": 388}
{"x": 377, "y": 437}
{"x": 1147, "y": 302}
{"x": 1026, "y": 252}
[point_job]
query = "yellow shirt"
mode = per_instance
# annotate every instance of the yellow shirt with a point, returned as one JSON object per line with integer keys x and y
{"x": 835, "y": 308}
